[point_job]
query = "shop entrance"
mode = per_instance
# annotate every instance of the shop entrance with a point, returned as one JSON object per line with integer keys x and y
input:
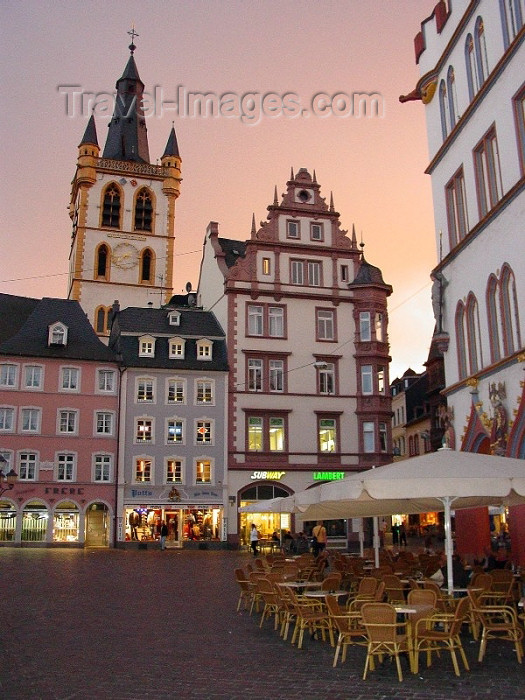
{"x": 174, "y": 521}
{"x": 97, "y": 526}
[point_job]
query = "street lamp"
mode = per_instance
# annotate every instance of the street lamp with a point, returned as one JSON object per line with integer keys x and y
{"x": 8, "y": 479}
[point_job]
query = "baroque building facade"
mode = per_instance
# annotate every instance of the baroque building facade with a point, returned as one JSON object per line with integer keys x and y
{"x": 306, "y": 325}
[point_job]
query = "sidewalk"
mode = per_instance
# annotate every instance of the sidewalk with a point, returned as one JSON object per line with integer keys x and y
{"x": 122, "y": 625}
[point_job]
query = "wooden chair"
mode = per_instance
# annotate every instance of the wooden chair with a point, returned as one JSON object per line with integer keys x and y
{"x": 383, "y": 635}
{"x": 271, "y": 600}
{"x": 246, "y": 589}
{"x": 429, "y": 638}
{"x": 497, "y": 622}
{"x": 394, "y": 589}
{"x": 308, "y": 616}
{"x": 502, "y": 586}
{"x": 349, "y": 628}
{"x": 332, "y": 582}
{"x": 422, "y": 596}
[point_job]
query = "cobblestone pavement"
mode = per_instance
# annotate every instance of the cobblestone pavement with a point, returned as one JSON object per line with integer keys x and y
{"x": 148, "y": 624}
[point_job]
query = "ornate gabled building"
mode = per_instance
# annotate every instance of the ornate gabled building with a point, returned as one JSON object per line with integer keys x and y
{"x": 471, "y": 55}
{"x": 306, "y": 327}
{"x": 123, "y": 212}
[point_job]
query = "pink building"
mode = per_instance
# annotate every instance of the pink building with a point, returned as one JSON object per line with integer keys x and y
{"x": 58, "y": 425}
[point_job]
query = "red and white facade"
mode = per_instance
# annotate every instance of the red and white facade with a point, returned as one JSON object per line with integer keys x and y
{"x": 306, "y": 325}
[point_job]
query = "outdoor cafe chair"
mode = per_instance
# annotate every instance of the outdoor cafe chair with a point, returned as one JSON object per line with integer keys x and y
{"x": 502, "y": 586}
{"x": 271, "y": 599}
{"x": 332, "y": 582}
{"x": 394, "y": 589}
{"x": 355, "y": 605}
{"x": 349, "y": 628}
{"x": 246, "y": 589}
{"x": 430, "y": 638}
{"x": 310, "y": 617}
{"x": 496, "y": 622}
{"x": 385, "y": 635}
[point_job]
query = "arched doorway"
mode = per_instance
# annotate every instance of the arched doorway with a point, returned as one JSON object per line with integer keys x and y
{"x": 35, "y": 519}
{"x": 97, "y": 525}
{"x": 7, "y": 521}
{"x": 66, "y": 521}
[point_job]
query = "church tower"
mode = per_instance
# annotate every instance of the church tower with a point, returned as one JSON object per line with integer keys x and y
{"x": 123, "y": 211}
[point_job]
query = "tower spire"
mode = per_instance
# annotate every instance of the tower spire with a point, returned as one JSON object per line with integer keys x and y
{"x": 127, "y": 135}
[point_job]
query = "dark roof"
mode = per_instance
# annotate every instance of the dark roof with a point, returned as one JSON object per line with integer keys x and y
{"x": 195, "y": 324}
{"x": 127, "y": 137}
{"x": 172, "y": 147}
{"x": 13, "y": 314}
{"x": 90, "y": 134}
{"x": 368, "y": 274}
{"x": 28, "y": 335}
{"x": 232, "y": 249}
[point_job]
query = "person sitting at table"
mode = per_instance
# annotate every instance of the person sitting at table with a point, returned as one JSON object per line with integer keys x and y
{"x": 301, "y": 544}
{"x": 460, "y": 576}
{"x": 288, "y": 542}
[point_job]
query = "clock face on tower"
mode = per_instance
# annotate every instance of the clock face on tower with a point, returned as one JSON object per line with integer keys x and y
{"x": 125, "y": 256}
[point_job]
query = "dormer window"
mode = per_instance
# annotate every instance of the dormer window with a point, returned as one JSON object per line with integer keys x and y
{"x": 57, "y": 334}
{"x": 176, "y": 348}
{"x": 174, "y": 318}
{"x": 204, "y": 349}
{"x": 147, "y": 346}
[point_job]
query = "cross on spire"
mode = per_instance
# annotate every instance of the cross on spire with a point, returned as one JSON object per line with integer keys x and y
{"x": 132, "y": 34}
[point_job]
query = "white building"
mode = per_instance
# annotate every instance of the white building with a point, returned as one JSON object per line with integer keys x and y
{"x": 471, "y": 58}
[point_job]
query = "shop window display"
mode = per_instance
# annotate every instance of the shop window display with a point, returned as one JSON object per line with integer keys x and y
{"x": 34, "y": 522}
{"x": 66, "y": 523}
{"x": 7, "y": 521}
{"x": 190, "y": 523}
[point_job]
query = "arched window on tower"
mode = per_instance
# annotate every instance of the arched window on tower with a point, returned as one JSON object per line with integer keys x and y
{"x": 460, "y": 340}
{"x": 146, "y": 266}
{"x": 103, "y": 319}
{"x": 493, "y": 318}
{"x": 509, "y": 311}
{"x": 101, "y": 262}
{"x": 143, "y": 210}
{"x": 111, "y": 207}
{"x": 473, "y": 334}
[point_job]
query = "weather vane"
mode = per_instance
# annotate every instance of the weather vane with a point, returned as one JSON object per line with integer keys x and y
{"x": 132, "y": 34}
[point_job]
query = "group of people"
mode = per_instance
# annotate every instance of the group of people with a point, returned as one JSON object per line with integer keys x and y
{"x": 298, "y": 544}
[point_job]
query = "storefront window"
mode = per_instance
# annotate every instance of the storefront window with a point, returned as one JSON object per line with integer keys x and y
{"x": 66, "y": 523}
{"x": 266, "y": 523}
{"x": 34, "y": 522}
{"x": 7, "y": 521}
{"x": 185, "y": 523}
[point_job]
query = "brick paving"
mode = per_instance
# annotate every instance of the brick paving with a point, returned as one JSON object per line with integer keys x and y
{"x": 119, "y": 624}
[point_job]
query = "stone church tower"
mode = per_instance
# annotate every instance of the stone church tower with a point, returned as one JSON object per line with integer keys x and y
{"x": 123, "y": 212}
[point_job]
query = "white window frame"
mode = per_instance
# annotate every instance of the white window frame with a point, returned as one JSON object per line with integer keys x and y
{"x": 148, "y": 425}
{"x": 204, "y": 350}
{"x": 293, "y": 229}
{"x": 27, "y": 465}
{"x": 33, "y": 377}
{"x": 201, "y": 425}
{"x": 369, "y": 437}
{"x": 148, "y": 470}
{"x": 146, "y": 346}
{"x": 7, "y": 422}
{"x": 64, "y": 416}
{"x": 105, "y": 420}
{"x": 8, "y": 375}
{"x": 103, "y": 464}
{"x": 367, "y": 380}
{"x": 172, "y": 423}
{"x": 326, "y": 379}
{"x": 275, "y": 321}
{"x": 70, "y": 379}
{"x": 106, "y": 383}
{"x": 314, "y": 228}
{"x": 325, "y": 323}
{"x": 66, "y": 466}
{"x": 210, "y": 462}
{"x": 177, "y": 348}
{"x": 365, "y": 326}
{"x": 179, "y": 468}
{"x": 255, "y": 314}
{"x": 179, "y": 389}
{"x": 204, "y": 392}
{"x": 57, "y": 334}
{"x": 34, "y": 414}
{"x": 145, "y": 388}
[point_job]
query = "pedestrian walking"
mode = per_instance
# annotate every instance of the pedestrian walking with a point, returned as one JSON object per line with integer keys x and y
{"x": 163, "y": 535}
{"x": 254, "y": 540}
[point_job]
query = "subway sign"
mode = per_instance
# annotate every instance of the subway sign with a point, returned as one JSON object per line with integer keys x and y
{"x": 328, "y": 476}
{"x": 267, "y": 475}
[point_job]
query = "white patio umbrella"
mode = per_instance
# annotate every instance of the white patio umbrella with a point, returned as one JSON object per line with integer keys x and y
{"x": 449, "y": 479}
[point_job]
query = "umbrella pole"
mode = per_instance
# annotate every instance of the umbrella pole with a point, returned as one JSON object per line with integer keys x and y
{"x": 376, "y": 542}
{"x": 449, "y": 547}
{"x": 361, "y": 538}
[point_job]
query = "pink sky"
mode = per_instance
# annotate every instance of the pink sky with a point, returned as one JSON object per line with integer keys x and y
{"x": 373, "y": 166}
